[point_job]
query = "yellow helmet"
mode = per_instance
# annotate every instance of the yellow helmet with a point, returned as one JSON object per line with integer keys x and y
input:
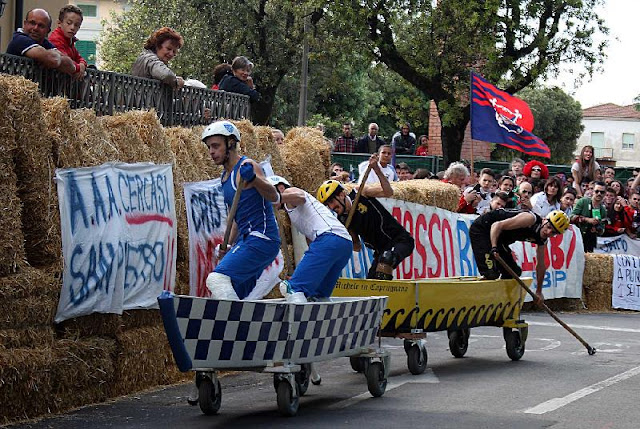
{"x": 559, "y": 220}
{"x": 327, "y": 189}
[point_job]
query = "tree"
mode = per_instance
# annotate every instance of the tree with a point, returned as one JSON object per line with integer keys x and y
{"x": 558, "y": 121}
{"x": 269, "y": 32}
{"x": 511, "y": 42}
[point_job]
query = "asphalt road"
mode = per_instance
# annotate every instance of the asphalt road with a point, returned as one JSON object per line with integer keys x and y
{"x": 555, "y": 385}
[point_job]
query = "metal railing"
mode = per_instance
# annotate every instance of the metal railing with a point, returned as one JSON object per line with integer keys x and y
{"x": 108, "y": 92}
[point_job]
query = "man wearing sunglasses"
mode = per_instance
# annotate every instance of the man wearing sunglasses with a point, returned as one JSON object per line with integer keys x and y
{"x": 493, "y": 232}
{"x": 589, "y": 214}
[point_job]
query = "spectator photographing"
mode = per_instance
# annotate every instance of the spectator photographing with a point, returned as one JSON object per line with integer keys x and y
{"x": 31, "y": 41}
{"x": 160, "y": 48}
{"x": 240, "y": 81}
{"x": 64, "y": 37}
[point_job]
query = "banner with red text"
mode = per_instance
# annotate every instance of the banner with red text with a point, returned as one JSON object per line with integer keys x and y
{"x": 443, "y": 249}
{"x": 207, "y": 221}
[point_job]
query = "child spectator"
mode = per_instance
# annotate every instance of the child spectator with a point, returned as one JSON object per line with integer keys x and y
{"x": 220, "y": 71}
{"x": 423, "y": 148}
{"x": 64, "y": 37}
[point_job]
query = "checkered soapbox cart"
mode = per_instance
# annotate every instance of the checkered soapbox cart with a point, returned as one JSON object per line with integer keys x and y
{"x": 451, "y": 304}
{"x": 207, "y": 335}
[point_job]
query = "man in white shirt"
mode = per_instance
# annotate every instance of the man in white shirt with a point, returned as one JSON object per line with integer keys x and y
{"x": 384, "y": 154}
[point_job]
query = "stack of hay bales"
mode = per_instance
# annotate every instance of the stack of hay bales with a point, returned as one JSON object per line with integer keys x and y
{"x": 308, "y": 158}
{"x": 427, "y": 192}
{"x": 597, "y": 281}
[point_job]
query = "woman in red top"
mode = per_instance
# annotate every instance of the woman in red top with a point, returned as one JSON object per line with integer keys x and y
{"x": 620, "y": 219}
{"x": 422, "y": 149}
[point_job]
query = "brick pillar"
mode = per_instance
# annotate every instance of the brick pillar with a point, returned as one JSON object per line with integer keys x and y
{"x": 481, "y": 149}
{"x": 435, "y": 130}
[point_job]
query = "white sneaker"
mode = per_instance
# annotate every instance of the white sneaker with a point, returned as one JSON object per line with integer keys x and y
{"x": 296, "y": 298}
{"x": 285, "y": 288}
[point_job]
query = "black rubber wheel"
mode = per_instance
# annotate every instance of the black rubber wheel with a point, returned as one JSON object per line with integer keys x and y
{"x": 407, "y": 345}
{"x": 357, "y": 363}
{"x": 416, "y": 360}
{"x": 515, "y": 347}
{"x": 376, "y": 381}
{"x": 287, "y": 404}
{"x": 302, "y": 379}
{"x": 209, "y": 398}
{"x": 458, "y": 342}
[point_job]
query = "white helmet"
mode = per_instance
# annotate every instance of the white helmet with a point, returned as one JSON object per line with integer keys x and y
{"x": 221, "y": 128}
{"x": 276, "y": 180}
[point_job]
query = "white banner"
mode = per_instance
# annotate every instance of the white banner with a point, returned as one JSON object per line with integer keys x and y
{"x": 443, "y": 249}
{"x": 118, "y": 227}
{"x": 620, "y": 245}
{"x": 626, "y": 282}
{"x": 207, "y": 221}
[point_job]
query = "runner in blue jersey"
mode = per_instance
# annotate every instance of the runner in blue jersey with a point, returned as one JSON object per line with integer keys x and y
{"x": 255, "y": 231}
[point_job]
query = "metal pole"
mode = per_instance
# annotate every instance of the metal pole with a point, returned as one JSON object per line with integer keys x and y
{"x": 302, "y": 107}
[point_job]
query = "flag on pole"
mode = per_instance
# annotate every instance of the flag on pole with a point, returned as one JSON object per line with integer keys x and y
{"x": 499, "y": 117}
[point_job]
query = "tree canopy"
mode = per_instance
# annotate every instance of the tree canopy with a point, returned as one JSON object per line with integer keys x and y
{"x": 511, "y": 42}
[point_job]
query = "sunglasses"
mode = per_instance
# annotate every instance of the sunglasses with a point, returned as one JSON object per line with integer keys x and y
{"x": 526, "y": 192}
{"x": 599, "y": 192}
{"x": 536, "y": 169}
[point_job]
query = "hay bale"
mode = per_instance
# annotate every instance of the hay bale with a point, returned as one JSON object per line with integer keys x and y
{"x": 182, "y": 277}
{"x": 427, "y": 192}
{"x": 30, "y": 282}
{"x": 598, "y": 295}
{"x": 597, "y": 268}
{"x": 144, "y": 359}
{"x": 28, "y": 312}
{"x": 151, "y": 134}
{"x": 132, "y": 319}
{"x": 307, "y": 157}
{"x": 33, "y": 166}
{"x": 56, "y": 114}
{"x": 124, "y": 136}
{"x": 82, "y": 372}
{"x": 12, "y": 253}
{"x": 42, "y": 336}
{"x": 95, "y": 324}
{"x": 26, "y": 387}
{"x": 87, "y": 142}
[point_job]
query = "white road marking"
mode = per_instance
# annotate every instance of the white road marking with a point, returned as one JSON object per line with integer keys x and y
{"x": 599, "y": 328}
{"x": 393, "y": 382}
{"x": 556, "y": 403}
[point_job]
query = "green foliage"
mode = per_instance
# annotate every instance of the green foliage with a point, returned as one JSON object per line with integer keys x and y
{"x": 558, "y": 122}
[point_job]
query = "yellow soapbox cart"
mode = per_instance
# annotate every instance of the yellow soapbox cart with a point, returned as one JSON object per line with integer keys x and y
{"x": 452, "y": 304}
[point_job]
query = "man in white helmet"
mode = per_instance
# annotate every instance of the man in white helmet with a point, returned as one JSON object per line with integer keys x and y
{"x": 254, "y": 235}
{"x": 329, "y": 241}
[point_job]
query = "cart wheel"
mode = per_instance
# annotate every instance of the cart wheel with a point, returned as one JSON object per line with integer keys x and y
{"x": 376, "y": 382}
{"x": 287, "y": 404}
{"x": 458, "y": 342}
{"x": 407, "y": 345}
{"x": 417, "y": 360}
{"x": 316, "y": 380}
{"x": 515, "y": 347}
{"x": 358, "y": 364}
{"x": 209, "y": 398}
{"x": 302, "y": 379}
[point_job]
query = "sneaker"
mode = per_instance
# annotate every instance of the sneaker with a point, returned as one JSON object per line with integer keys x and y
{"x": 285, "y": 288}
{"x": 296, "y": 298}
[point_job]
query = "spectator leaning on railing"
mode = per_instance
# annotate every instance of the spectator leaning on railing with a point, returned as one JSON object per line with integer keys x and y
{"x": 31, "y": 41}
{"x": 160, "y": 48}
{"x": 64, "y": 37}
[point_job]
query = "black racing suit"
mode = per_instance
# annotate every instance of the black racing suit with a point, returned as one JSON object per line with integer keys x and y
{"x": 380, "y": 232}
{"x": 479, "y": 234}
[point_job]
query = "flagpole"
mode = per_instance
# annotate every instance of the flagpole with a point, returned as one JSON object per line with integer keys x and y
{"x": 471, "y": 116}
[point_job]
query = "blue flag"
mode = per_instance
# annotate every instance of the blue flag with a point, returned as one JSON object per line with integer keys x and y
{"x": 499, "y": 117}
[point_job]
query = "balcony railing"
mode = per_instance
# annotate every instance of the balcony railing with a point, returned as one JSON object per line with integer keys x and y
{"x": 108, "y": 92}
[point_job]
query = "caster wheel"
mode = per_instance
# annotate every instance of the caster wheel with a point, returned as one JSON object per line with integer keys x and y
{"x": 302, "y": 379}
{"x": 514, "y": 344}
{"x": 287, "y": 404}
{"x": 209, "y": 396}
{"x": 376, "y": 381}
{"x": 416, "y": 360}
{"x": 358, "y": 364}
{"x": 459, "y": 342}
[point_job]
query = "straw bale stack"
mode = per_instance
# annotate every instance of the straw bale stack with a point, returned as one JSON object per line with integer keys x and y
{"x": 11, "y": 238}
{"x": 30, "y": 337}
{"x": 144, "y": 359}
{"x": 307, "y": 157}
{"x": 182, "y": 277}
{"x": 96, "y": 324}
{"x": 132, "y": 319}
{"x": 33, "y": 165}
{"x": 597, "y": 268}
{"x": 56, "y": 113}
{"x": 28, "y": 299}
{"x": 427, "y": 192}
{"x": 87, "y": 142}
{"x": 150, "y": 132}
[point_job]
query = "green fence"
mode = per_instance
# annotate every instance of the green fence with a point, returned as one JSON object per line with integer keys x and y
{"x": 350, "y": 162}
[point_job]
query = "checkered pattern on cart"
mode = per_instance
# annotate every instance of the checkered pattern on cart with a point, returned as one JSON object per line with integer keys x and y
{"x": 236, "y": 334}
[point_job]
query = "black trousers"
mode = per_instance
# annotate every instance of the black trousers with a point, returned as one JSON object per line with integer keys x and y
{"x": 487, "y": 265}
{"x": 401, "y": 248}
